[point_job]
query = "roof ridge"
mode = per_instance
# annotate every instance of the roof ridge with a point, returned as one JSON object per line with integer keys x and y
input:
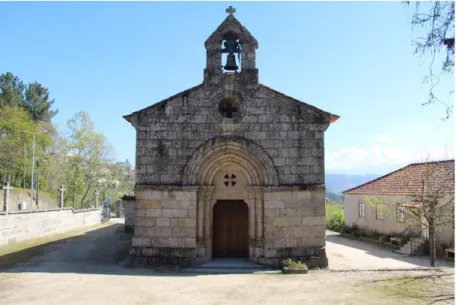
{"x": 376, "y": 179}
{"x": 411, "y": 165}
{"x": 432, "y": 162}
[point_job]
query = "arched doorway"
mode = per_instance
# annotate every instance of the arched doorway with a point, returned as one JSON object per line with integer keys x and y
{"x": 230, "y": 229}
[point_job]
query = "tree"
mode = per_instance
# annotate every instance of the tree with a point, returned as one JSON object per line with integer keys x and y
{"x": 428, "y": 199}
{"x": 38, "y": 104}
{"x": 438, "y": 40}
{"x": 11, "y": 90}
{"x": 14, "y": 125}
{"x": 89, "y": 155}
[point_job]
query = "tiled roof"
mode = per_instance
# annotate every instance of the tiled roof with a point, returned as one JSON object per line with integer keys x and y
{"x": 409, "y": 180}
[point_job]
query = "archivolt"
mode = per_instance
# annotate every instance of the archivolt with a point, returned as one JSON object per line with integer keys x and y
{"x": 222, "y": 151}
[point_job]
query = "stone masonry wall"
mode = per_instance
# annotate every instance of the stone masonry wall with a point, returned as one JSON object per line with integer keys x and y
{"x": 165, "y": 223}
{"x": 294, "y": 226}
{"x": 292, "y": 137}
{"x": 20, "y": 226}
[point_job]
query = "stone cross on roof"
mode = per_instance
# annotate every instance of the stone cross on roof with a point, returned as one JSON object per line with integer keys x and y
{"x": 230, "y": 10}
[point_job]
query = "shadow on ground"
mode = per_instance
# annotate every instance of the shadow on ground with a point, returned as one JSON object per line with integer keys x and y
{"x": 100, "y": 251}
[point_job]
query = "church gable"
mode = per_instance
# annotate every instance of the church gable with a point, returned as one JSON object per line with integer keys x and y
{"x": 230, "y": 102}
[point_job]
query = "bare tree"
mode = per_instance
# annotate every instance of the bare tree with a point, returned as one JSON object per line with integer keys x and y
{"x": 437, "y": 19}
{"x": 428, "y": 197}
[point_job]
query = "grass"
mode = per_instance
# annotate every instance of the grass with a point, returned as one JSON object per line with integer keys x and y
{"x": 430, "y": 288}
{"x": 15, "y": 253}
{"x": 49, "y": 196}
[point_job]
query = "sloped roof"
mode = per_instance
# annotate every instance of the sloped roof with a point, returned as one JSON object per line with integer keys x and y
{"x": 334, "y": 117}
{"x": 409, "y": 180}
{"x": 164, "y": 102}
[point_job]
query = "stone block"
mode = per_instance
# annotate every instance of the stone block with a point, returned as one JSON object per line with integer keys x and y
{"x": 141, "y": 242}
{"x": 270, "y": 213}
{"x": 271, "y": 204}
{"x": 163, "y": 222}
{"x": 190, "y": 222}
{"x": 274, "y": 232}
{"x": 190, "y": 242}
{"x": 296, "y": 221}
{"x": 174, "y": 213}
{"x": 163, "y": 231}
{"x": 153, "y": 212}
{"x": 174, "y": 221}
{"x": 281, "y": 222}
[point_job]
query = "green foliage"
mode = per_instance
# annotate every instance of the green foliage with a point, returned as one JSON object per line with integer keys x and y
{"x": 15, "y": 135}
{"x": 81, "y": 161}
{"x": 334, "y": 217}
{"x": 38, "y": 104}
{"x": 290, "y": 264}
{"x": 11, "y": 90}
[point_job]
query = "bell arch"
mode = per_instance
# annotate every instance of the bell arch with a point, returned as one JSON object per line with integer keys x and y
{"x": 221, "y": 151}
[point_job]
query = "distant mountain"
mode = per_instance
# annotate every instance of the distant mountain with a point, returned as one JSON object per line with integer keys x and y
{"x": 337, "y": 183}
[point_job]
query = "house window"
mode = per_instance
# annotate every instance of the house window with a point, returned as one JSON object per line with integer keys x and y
{"x": 400, "y": 213}
{"x": 361, "y": 209}
{"x": 379, "y": 213}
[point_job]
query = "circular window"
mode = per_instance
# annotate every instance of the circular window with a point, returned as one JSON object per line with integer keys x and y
{"x": 229, "y": 108}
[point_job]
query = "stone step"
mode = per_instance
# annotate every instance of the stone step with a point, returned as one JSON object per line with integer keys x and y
{"x": 229, "y": 265}
{"x": 229, "y": 271}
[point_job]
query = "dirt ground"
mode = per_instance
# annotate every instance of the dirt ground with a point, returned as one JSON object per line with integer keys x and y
{"x": 85, "y": 269}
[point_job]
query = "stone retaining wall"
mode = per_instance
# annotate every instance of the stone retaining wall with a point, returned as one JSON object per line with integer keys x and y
{"x": 20, "y": 226}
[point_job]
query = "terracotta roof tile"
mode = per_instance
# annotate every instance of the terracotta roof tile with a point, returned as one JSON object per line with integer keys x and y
{"x": 437, "y": 175}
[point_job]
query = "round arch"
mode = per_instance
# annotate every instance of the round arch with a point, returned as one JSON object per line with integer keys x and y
{"x": 218, "y": 152}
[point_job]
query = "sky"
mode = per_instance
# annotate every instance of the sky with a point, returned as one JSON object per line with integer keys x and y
{"x": 353, "y": 59}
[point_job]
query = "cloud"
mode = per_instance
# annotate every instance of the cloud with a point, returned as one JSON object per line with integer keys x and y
{"x": 385, "y": 139}
{"x": 378, "y": 159}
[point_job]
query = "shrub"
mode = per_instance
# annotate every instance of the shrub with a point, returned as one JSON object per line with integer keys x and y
{"x": 290, "y": 264}
{"x": 334, "y": 217}
{"x": 384, "y": 239}
{"x": 346, "y": 229}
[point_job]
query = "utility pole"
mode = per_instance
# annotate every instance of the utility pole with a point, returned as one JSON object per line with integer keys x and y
{"x": 25, "y": 161}
{"x": 33, "y": 163}
{"x": 36, "y": 197}
{"x": 33, "y": 160}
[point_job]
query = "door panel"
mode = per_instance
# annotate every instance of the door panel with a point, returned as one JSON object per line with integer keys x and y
{"x": 230, "y": 236}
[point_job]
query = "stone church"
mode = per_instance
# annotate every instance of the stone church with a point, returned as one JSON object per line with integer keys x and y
{"x": 230, "y": 167}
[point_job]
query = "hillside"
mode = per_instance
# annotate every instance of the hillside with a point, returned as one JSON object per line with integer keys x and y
{"x": 337, "y": 183}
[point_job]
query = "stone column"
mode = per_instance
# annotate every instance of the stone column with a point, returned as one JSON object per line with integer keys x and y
{"x": 252, "y": 215}
{"x": 96, "y": 193}
{"x": 200, "y": 215}
{"x": 61, "y": 190}
{"x": 260, "y": 214}
{"x": 6, "y": 195}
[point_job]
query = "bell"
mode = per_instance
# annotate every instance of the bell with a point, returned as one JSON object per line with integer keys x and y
{"x": 231, "y": 63}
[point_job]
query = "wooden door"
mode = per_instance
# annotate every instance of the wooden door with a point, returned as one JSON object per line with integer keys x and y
{"x": 230, "y": 236}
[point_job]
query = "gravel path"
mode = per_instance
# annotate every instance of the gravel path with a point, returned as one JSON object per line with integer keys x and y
{"x": 84, "y": 270}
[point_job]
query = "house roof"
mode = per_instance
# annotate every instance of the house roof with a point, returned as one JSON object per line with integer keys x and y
{"x": 410, "y": 180}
